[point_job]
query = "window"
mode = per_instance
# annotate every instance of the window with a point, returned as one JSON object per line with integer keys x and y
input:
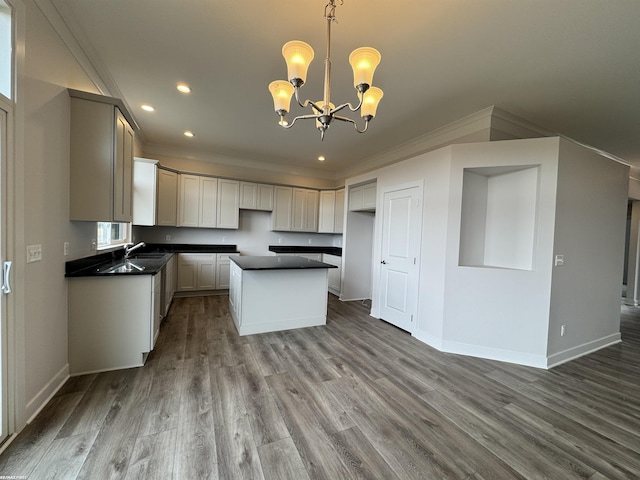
{"x": 6, "y": 60}
{"x": 112, "y": 234}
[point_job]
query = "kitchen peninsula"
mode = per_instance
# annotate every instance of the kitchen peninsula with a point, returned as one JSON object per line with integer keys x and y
{"x": 268, "y": 294}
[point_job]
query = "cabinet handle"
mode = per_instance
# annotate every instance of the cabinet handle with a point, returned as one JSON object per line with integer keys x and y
{"x": 6, "y": 277}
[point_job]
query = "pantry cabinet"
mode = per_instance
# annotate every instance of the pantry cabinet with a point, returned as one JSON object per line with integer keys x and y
{"x": 101, "y": 170}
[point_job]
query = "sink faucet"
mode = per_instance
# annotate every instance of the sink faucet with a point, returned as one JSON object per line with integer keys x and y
{"x": 128, "y": 248}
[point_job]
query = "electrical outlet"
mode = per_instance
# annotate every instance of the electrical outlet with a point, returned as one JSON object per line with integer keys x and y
{"x": 94, "y": 244}
{"x": 66, "y": 249}
{"x": 558, "y": 260}
{"x": 34, "y": 253}
{"x": 563, "y": 330}
{"x": 309, "y": 241}
{"x": 167, "y": 238}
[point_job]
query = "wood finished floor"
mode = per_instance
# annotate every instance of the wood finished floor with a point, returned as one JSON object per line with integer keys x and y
{"x": 355, "y": 399}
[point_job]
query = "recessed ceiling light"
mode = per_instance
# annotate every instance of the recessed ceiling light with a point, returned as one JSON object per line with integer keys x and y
{"x": 189, "y": 133}
{"x": 147, "y": 108}
{"x": 321, "y": 158}
{"x": 183, "y": 87}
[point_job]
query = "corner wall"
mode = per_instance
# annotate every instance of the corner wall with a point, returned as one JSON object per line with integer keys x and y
{"x": 590, "y": 232}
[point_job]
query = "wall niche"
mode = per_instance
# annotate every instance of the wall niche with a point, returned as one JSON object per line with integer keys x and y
{"x": 498, "y": 218}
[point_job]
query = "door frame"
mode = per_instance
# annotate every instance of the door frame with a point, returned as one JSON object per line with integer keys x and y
{"x": 377, "y": 256}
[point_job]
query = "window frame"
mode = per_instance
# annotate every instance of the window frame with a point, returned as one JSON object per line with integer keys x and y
{"x": 105, "y": 240}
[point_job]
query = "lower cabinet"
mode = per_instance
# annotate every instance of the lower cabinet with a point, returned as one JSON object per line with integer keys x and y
{"x": 203, "y": 271}
{"x": 113, "y": 321}
{"x": 335, "y": 274}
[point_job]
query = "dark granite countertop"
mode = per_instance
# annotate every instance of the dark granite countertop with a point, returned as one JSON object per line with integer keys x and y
{"x": 305, "y": 249}
{"x": 147, "y": 260}
{"x": 277, "y": 263}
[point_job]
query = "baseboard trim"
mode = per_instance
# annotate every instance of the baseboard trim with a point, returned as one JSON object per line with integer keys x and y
{"x": 582, "y": 350}
{"x": 37, "y": 403}
{"x": 489, "y": 353}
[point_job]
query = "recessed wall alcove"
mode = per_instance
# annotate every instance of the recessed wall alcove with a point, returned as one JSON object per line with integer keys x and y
{"x": 498, "y": 219}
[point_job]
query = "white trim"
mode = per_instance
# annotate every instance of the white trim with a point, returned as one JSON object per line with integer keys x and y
{"x": 37, "y": 403}
{"x": 279, "y": 326}
{"x": 581, "y": 350}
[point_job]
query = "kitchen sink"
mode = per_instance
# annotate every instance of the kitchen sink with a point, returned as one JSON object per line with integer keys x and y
{"x": 147, "y": 255}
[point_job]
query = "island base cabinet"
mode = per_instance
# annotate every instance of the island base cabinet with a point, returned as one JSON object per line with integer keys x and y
{"x": 271, "y": 300}
{"x": 112, "y": 322}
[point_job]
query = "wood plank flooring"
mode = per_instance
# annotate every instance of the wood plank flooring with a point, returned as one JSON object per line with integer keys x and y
{"x": 355, "y": 399}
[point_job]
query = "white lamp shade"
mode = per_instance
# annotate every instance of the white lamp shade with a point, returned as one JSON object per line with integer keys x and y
{"x": 370, "y": 102}
{"x": 281, "y": 91}
{"x": 298, "y": 56}
{"x": 364, "y": 61}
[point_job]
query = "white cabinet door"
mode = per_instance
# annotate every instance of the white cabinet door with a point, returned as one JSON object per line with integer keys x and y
{"x": 335, "y": 274}
{"x": 326, "y": 213}
{"x": 282, "y": 208}
{"x": 363, "y": 197}
{"x": 167, "y": 203}
{"x": 208, "y": 199}
{"x": 311, "y": 210}
{"x": 339, "y": 209}
{"x": 189, "y": 201}
{"x": 228, "y": 203}
{"x": 144, "y": 192}
{"x": 265, "y": 197}
{"x": 196, "y": 271}
{"x": 156, "y": 311}
{"x": 223, "y": 270}
{"x": 248, "y": 195}
{"x": 299, "y": 204}
{"x": 123, "y": 168}
{"x": 206, "y": 272}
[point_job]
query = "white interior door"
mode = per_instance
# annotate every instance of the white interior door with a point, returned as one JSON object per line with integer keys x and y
{"x": 401, "y": 227}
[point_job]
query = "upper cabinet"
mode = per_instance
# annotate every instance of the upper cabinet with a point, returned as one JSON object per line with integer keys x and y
{"x": 256, "y": 196}
{"x": 228, "y": 211}
{"x": 155, "y": 194}
{"x": 167, "y": 198}
{"x": 208, "y": 202}
{"x": 363, "y": 197}
{"x": 101, "y": 171}
{"x": 295, "y": 209}
{"x": 331, "y": 211}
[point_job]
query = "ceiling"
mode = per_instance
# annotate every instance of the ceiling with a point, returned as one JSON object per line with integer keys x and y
{"x": 570, "y": 66}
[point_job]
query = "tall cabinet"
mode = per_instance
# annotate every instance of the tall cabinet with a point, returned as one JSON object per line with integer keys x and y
{"x": 101, "y": 173}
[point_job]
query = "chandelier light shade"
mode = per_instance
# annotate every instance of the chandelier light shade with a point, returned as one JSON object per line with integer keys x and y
{"x": 299, "y": 55}
{"x": 364, "y": 62}
{"x": 370, "y": 103}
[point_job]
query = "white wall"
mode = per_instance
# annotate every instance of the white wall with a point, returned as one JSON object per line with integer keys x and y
{"x": 501, "y": 312}
{"x": 41, "y": 205}
{"x": 253, "y": 236}
{"x": 590, "y": 228}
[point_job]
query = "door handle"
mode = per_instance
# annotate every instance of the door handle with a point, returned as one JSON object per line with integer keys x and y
{"x": 383, "y": 262}
{"x": 6, "y": 277}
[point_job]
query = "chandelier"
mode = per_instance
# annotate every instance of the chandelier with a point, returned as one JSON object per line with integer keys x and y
{"x": 298, "y": 56}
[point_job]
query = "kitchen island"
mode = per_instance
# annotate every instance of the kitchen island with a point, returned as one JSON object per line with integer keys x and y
{"x": 269, "y": 293}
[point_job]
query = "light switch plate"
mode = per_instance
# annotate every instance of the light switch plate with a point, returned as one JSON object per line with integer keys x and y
{"x": 34, "y": 253}
{"x": 558, "y": 260}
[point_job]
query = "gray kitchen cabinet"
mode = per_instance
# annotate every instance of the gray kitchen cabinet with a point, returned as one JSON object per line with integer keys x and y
{"x": 101, "y": 170}
{"x": 113, "y": 321}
